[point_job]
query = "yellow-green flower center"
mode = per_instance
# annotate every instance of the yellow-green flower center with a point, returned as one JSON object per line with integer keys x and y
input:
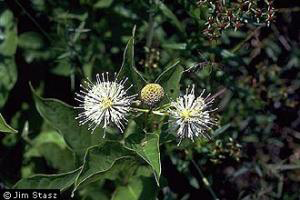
{"x": 186, "y": 114}
{"x": 106, "y": 103}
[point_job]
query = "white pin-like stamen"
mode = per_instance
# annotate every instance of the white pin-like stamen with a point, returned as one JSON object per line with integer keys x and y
{"x": 190, "y": 115}
{"x": 104, "y": 102}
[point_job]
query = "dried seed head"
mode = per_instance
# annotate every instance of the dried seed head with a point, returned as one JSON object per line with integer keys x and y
{"x": 152, "y": 94}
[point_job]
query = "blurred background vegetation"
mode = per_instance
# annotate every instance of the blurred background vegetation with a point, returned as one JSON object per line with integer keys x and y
{"x": 254, "y": 70}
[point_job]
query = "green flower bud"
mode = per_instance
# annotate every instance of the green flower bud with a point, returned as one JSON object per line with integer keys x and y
{"x": 152, "y": 94}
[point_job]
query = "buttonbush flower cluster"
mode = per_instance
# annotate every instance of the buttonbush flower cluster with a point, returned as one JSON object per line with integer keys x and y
{"x": 191, "y": 115}
{"x": 108, "y": 102}
{"x": 104, "y": 102}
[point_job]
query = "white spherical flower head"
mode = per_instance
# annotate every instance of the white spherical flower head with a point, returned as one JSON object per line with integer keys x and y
{"x": 190, "y": 115}
{"x": 104, "y": 102}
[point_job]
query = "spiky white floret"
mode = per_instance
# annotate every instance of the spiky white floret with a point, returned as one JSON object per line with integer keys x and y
{"x": 104, "y": 102}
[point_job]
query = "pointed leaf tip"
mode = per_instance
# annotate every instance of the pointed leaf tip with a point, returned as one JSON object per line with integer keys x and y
{"x": 4, "y": 127}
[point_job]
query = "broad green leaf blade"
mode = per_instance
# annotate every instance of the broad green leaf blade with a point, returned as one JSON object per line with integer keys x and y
{"x": 147, "y": 149}
{"x": 30, "y": 40}
{"x": 51, "y": 146}
{"x": 169, "y": 14}
{"x": 94, "y": 192}
{"x": 63, "y": 67}
{"x": 121, "y": 169}
{"x": 9, "y": 38}
{"x": 8, "y": 77}
{"x": 100, "y": 159}
{"x": 166, "y": 73}
{"x": 4, "y": 127}
{"x": 128, "y": 68}
{"x": 43, "y": 181}
{"x": 61, "y": 116}
{"x": 54, "y": 155}
{"x": 137, "y": 188}
{"x": 170, "y": 80}
{"x": 103, "y": 3}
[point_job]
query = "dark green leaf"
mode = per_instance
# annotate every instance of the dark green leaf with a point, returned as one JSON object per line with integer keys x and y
{"x": 103, "y": 3}
{"x": 51, "y": 146}
{"x": 169, "y": 14}
{"x": 8, "y": 45}
{"x": 30, "y": 40}
{"x": 100, "y": 159}
{"x": 220, "y": 130}
{"x": 137, "y": 188}
{"x": 94, "y": 192}
{"x": 54, "y": 156}
{"x": 180, "y": 46}
{"x": 63, "y": 68}
{"x": 128, "y": 68}
{"x": 43, "y": 181}
{"x": 170, "y": 79}
{"x": 8, "y": 77}
{"x": 4, "y": 127}
{"x": 62, "y": 117}
{"x": 9, "y": 36}
{"x": 148, "y": 149}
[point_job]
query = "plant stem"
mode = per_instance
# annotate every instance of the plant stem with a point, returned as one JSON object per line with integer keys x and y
{"x": 34, "y": 21}
{"x": 205, "y": 181}
{"x": 151, "y": 30}
{"x": 147, "y": 111}
{"x": 241, "y": 44}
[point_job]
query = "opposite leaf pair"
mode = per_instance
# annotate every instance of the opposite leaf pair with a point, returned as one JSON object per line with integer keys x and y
{"x": 108, "y": 102}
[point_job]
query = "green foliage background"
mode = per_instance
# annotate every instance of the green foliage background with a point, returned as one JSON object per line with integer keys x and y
{"x": 253, "y": 72}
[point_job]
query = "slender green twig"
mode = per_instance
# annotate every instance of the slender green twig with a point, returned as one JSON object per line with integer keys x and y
{"x": 287, "y": 10}
{"x": 241, "y": 44}
{"x": 205, "y": 181}
{"x": 152, "y": 111}
{"x": 151, "y": 30}
{"x": 34, "y": 21}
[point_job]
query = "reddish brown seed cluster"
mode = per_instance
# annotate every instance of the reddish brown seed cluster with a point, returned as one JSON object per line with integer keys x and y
{"x": 234, "y": 15}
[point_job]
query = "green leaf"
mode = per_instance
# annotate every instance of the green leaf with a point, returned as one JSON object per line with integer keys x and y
{"x": 9, "y": 36}
{"x": 4, "y": 127}
{"x": 179, "y": 46}
{"x": 51, "y": 146}
{"x": 137, "y": 188}
{"x": 100, "y": 159}
{"x": 103, "y": 3}
{"x": 54, "y": 156}
{"x": 170, "y": 79}
{"x": 8, "y": 77}
{"x": 169, "y": 14}
{"x": 8, "y": 46}
{"x": 148, "y": 149}
{"x": 220, "y": 130}
{"x": 128, "y": 68}
{"x": 121, "y": 170}
{"x": 227, "y": 54}
{"x": 94, "y": 192}
{"x": 30, "y": 40}
{"x": 44, "y": 181}
{"x": 63, "y": 68}
{"x": 61, "y": 116}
